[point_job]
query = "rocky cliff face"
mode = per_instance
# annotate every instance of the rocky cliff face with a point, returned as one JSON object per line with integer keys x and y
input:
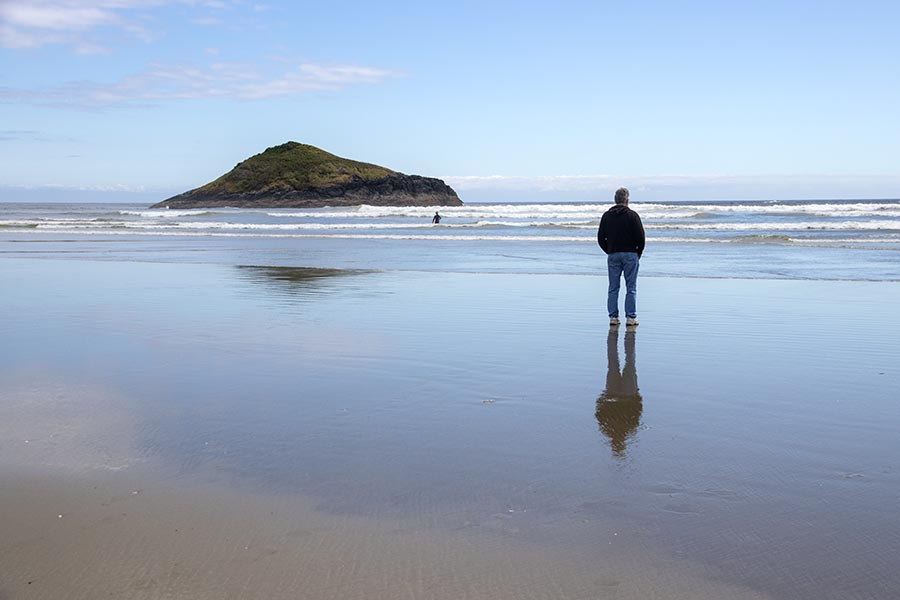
{"x": 393, "y": 190}
{"x": 302, "y": 176}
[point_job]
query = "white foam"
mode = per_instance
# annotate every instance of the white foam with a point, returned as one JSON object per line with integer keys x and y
{"x": 869, "y": 225}
{"x": 873, "y": 222}
{"x": 591, "y": 212}
{"x": 155, "y": 213}
{"x": 594, "y": 211}
{"x": 201, "y": 225}
{"x": 781, "y": 226}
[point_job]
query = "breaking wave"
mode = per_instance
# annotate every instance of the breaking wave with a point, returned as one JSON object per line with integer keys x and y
{"x": 859, "y": 224}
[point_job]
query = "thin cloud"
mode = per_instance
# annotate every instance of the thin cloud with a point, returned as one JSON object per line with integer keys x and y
{"x": 7, "y": 135}
{"x": 32, "y": 135}
{"x": 207, "y": 21}
{"x": 115, "y": 187}
{"x": 678, "y": 187}
{"x": 574, "y": 183}
{"x": 166, "y": 82}
{"x": 548, "y": 183}
{"x": 59, "y": 16}
{"x": 28, "y": 24}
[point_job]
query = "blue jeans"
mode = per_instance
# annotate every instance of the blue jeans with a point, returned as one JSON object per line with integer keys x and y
{"x": 620, "y": 263}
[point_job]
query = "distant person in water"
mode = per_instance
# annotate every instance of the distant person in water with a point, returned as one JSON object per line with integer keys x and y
{"x": 436, "y": 219}
{"x": 621, "y": 236}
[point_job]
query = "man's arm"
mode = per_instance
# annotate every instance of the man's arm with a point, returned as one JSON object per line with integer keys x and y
{"x": 639, "y": 234}
{"x": 602, "y": 240}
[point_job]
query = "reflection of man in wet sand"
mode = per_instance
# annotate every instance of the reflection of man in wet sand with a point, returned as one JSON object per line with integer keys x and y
{"x": 619, "y": 407}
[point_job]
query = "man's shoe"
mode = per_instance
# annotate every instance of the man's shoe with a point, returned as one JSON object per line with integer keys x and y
{"x": 631, "y": 322}
{"x": 614, "y": 321}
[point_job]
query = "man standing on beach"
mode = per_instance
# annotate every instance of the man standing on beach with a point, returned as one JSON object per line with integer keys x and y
{"x": 621, "y": 236}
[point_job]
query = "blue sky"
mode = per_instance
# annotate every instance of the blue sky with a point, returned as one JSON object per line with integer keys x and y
{"x": 135, "y": 99}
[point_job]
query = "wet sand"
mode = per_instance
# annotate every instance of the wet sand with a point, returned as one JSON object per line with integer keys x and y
{"x": 128, "y": 539}
{"x": 197, "y": 431}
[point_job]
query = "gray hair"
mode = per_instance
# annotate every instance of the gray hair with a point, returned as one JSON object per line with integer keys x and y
{"x": 622, "y": 196}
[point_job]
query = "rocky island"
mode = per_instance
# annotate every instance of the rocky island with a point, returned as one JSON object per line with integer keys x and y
{"x": 303, "y": 176}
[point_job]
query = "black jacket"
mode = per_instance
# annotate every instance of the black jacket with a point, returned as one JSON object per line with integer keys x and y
{"x": 621, "y": 230}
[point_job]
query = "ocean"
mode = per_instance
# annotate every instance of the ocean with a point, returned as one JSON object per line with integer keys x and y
{"x": 825, "y": 240}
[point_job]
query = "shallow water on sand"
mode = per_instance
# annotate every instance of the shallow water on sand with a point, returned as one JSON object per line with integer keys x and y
{"x": 745, "y": 431}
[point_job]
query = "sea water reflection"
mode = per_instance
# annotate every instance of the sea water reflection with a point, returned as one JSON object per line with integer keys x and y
{"x": 295, "y": 283}
{"x": 620, "y": 405}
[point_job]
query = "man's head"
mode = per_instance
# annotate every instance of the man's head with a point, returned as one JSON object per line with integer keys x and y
{"x": 622, "y": 196}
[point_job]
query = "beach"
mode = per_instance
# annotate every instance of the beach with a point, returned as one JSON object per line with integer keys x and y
{"x": 196, "y": 429}
{"x": 310, "y": 301}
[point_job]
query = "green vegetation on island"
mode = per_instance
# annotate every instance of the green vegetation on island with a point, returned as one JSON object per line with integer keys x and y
{"x": 293, "y": 166}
